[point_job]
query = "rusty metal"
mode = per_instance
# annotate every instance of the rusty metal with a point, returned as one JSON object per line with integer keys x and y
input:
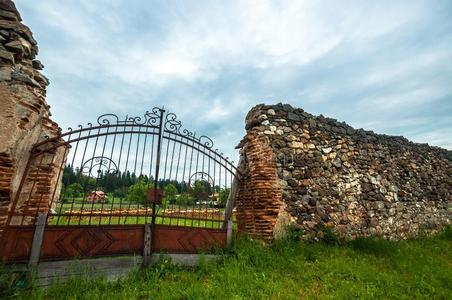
{"x": 155, "y": 196}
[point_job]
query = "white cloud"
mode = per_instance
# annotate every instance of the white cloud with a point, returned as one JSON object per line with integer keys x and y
{"x": 222, "y": 57}
{"x": 208, "y": 37}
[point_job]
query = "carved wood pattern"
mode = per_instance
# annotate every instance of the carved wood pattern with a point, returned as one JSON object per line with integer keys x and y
{"x": 66, "y": 242}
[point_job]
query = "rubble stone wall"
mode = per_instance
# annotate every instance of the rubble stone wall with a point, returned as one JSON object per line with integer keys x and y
{"x": 315, "y": 172}
{"x": 24, "y": 114}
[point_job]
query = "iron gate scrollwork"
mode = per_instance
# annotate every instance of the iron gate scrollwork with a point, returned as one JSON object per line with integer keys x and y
{"x": 99, "y": 174}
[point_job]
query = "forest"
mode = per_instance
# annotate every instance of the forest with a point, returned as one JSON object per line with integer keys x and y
{"x": 127, "y": 185}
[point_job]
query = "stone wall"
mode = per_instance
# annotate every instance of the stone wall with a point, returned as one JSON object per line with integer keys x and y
{"x": 24, "y": 115}
{"x": 315, "y": 172}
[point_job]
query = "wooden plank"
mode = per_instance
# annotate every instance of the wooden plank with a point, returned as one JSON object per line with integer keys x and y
{"x": 111, "y": 268}
{"x": 56, "y": 268}
{"x": 37, "y": 240}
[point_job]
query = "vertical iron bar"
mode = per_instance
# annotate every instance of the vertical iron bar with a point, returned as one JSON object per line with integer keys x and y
{"x": 206, "y": 201}
{"x": 125, "y": 170}
{"x": 33, "y": 186}
{"x": 99, "y": 173}
{"x": 61, "y": 171}
{"x": 116, "y": 175}
{"x": 179, "y": 183}
{"x": 150, "y": 174}
{"x": 157, "y": 167}
{"x": 163, "y": 211}
{"x": 212, "y": 190}
{"x": 141, "y": 169}
{"x": 119, "y": 168}
{"x": 196, "y": 171}
{"x": 214, "y": 177}
{"x": 135, "y": 167}
{"x": 90, "y": 168}
{"x": 63, "y": 197}
{"x": 170, "y": 173}
{"x": 80, "y": 171}
{"x": 186, "y": 182}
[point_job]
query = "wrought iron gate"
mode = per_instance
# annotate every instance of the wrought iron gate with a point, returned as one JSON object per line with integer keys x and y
{"x": 98, "y": 187}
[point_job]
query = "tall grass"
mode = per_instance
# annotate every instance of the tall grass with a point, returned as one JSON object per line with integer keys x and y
{"x": 367, "y": 268}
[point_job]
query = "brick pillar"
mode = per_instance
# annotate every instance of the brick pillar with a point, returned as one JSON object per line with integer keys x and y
{"x": 259, "y": 198}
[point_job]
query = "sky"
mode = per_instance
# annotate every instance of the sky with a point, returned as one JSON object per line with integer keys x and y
{"x": 384, "y": 66}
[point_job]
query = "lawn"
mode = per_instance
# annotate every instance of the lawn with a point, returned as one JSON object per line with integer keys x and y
{"x": 366, "y": 268}
{"x": 122, "y": 204}
{"x": 131, "y": 220}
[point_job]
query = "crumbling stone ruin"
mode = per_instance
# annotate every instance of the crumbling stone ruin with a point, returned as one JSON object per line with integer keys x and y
{"x": 24, "y": 115}
{"x": 315, "y": 172}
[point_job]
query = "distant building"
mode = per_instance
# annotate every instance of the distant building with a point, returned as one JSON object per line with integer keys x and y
{"x": 96, "y": 196}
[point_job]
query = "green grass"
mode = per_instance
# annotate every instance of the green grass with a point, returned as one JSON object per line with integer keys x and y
{"x": 366, "y": 268}
{"x": 131, "y": 219}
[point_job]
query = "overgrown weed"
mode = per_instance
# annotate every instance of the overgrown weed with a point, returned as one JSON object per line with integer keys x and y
{"x": 287, "y": 269}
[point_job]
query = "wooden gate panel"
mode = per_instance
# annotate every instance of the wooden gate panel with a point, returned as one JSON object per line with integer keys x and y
{"x": 17, "y": 243}
{"x": 66, "y": 242}
{"x": 62, "y": 242}
{"x": 174, "y": 239}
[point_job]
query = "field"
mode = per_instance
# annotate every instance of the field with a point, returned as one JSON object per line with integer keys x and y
{"x": 123, "y": 212}
{"x": 366, "y": 268}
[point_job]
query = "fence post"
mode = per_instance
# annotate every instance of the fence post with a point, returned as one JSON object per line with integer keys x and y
{"x": 231, "y": 200}
{"x": 149, "y": 228}
{"x": 157, "y": 163}
{"x": 37, "y": 240}
{"x": 147, "y": 249}
{"x": 229, "y": 234}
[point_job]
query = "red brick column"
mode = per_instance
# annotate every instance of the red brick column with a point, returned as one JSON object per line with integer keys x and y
{"x": 259, "y": 197}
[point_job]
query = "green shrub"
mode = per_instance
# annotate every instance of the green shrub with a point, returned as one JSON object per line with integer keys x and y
{"x": 10, "y": 282}
{"x": 137, "y": 192}
{"x": 447, "y": 233}
{"x": 119, "y": 193}
{"x": 170, "y": 193}
{"x": 294, "y": 233}
{"x": 327, "y": 235}
{"x": 223, "y": 197}
{"x": 185, "y": 199}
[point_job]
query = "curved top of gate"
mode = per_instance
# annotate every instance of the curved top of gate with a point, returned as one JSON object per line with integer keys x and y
{"x": 157, "y": 121}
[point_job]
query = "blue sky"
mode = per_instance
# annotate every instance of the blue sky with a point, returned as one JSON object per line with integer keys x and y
{"x": 380, "y": 65}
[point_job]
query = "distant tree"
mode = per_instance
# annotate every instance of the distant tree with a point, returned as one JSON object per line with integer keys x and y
{"x": 128, "y": 180}
{"x": 201, "y": 190}
{"x": 74, "y": 190}
{"x": 88, "y": 183}
{"x": 69, "y": 176}
{"x": 137, "y": 192}
{"x": 223, "y": 197}
{"x": 170, "y": 193}
{"x": 164, "y": 203}
{"x": 119, "y": 193}
{"x": 184, "y": 199}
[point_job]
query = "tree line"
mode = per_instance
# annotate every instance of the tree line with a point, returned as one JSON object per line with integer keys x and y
{"x": 128, "y": 185}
